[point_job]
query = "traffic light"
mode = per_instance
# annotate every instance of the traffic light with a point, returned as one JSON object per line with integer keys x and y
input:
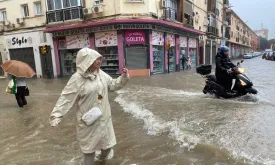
{"x": 44, "y": 49}
{"x": 168, "y": 45}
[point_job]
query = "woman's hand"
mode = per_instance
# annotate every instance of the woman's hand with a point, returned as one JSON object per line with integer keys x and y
{"x": 125, "y": 72}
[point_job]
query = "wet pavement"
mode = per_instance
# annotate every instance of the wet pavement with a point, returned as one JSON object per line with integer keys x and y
{"x": 159, "y": 120}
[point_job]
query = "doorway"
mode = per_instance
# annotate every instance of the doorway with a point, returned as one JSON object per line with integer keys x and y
{"x": 137, "y": 60}
{"x": 25, "y": 55}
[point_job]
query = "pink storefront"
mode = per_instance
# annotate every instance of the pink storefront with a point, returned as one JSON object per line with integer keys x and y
{"x": 141, "y": 45}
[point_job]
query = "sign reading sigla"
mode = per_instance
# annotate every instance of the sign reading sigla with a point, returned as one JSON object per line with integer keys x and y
{"x": 134, "y": 37}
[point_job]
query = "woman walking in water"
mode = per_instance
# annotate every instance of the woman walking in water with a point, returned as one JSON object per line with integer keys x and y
{"x": 88, "y": 88}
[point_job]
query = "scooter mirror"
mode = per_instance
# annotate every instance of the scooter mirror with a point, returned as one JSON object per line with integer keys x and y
{"x": 242, "y": 61}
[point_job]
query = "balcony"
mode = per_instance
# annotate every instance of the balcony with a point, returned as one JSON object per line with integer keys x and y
{"x": 170, "y": 13}
{"x": 188, "y": 20}
{"x": 212, "y": 10}
{"x": 63, "y": 15}
{"x": 211, "y": 30}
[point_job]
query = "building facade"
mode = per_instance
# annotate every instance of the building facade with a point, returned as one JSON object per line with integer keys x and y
{"x": 262, "y": 33}
{"x": 134, "y": 33}
{"x": 22, "y": 35}
{"x": 241, "y": 38}
{"x": 209, "y": 18}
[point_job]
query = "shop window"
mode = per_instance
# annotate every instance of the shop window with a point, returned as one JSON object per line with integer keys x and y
{"x": 110, "y": 62}
{"x": 192, "y": 53}
{"x": 68, "y": 61}
{"x": 25, "y": 10}
{"x": 158, "y": 58}
{"x": 183, "y": 52}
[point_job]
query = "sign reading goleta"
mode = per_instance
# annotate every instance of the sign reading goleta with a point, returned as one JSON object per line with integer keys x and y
{"x": 118, "y": 27}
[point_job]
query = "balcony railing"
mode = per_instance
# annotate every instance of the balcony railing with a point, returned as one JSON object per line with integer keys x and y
{"x": 211, "y": 30}
{"x": 63, "y": 15}
{"x": 170, "y": 13}
{"x": 188, "y": 20}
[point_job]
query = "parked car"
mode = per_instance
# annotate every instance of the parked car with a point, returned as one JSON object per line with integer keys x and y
{"x": 248, "y": 56}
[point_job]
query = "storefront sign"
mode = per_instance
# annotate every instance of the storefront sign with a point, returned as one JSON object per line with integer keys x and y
{"x": 192, "y": 43}
{"x": 133, "y": 37}
{"x": 157, "y": 38}
{"x": 19, "y": 42}
{"x": 105, "y": 39}
{"x": 183, "y": 42}
{"x": 77, "y": 41}
{"x": 171, "y": 37}
{"x": 101, "y": 29}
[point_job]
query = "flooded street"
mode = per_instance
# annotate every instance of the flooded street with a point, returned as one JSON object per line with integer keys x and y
{"x": 159, "y": 120}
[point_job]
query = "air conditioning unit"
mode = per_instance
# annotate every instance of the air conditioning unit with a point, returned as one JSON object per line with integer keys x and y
{"x": 6, "y": 23}
{"x": 20, "y": 21}
{"x": 98, "y": 9}
{"x": 85, "y": 11}
{"x": 163, "y": 4}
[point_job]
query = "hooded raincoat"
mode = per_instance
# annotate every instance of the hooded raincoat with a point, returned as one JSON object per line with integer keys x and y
{"x": 88, "y": 90}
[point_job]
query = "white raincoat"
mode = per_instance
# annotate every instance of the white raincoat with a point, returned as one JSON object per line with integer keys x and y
{"x": 83, "y": 89}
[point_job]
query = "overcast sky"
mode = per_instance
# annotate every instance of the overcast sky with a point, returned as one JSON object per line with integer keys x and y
{"x": 256, "y": 12}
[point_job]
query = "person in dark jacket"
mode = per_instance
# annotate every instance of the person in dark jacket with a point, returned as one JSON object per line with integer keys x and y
{"x": 224, "y": 68}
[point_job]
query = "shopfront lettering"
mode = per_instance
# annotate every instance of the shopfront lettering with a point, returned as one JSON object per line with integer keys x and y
{"x": 135, "y": 37}
{"x": 19, "y": 41}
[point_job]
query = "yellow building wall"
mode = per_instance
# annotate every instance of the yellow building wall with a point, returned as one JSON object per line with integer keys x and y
{"x": 13, "y": 9}
{"x": 200, "y": 7}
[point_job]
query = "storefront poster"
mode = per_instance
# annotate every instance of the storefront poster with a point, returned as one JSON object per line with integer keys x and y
{"x": 77, "y": 41}
{"x": 192, "y": 43}
{"x": 157, "y": 38}
{"x": 183, "y": 42}
{"x": 171, "y": 37}
{"x": 105, "y": 39}
{"x": 134, "y": 37}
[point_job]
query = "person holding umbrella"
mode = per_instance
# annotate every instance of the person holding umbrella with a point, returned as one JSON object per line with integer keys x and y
{"x": 17, "y": 72}
{"x": 21, "y": 87}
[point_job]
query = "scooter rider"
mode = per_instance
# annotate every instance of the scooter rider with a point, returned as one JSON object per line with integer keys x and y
{"x": 224, "y": 68}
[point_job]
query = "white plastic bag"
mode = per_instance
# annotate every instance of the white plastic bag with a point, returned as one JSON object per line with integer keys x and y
{"x": 91, "y": 116}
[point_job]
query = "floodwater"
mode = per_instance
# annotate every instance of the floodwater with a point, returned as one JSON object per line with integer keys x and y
{"x": 160, "y": 120}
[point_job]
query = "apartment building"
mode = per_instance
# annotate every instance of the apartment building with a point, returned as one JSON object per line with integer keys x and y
{"x": 132, "y": 32}
{"x": 209, "y": 18}
{"x": 22, "y": 25}
{"x": 241, "y": 38}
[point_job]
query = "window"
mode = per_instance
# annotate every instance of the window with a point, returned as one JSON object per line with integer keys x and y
{"x": 37, "y": 8}
{"x": 70, "y": 3}
{"x": 171, "y": 10}
{"x": 25, "y": 10}
{"x": 3, "y": 15}
{"x": 97, "y": 2}
{"x": 62, "y": 4}
{"x": 134, "y": 0}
